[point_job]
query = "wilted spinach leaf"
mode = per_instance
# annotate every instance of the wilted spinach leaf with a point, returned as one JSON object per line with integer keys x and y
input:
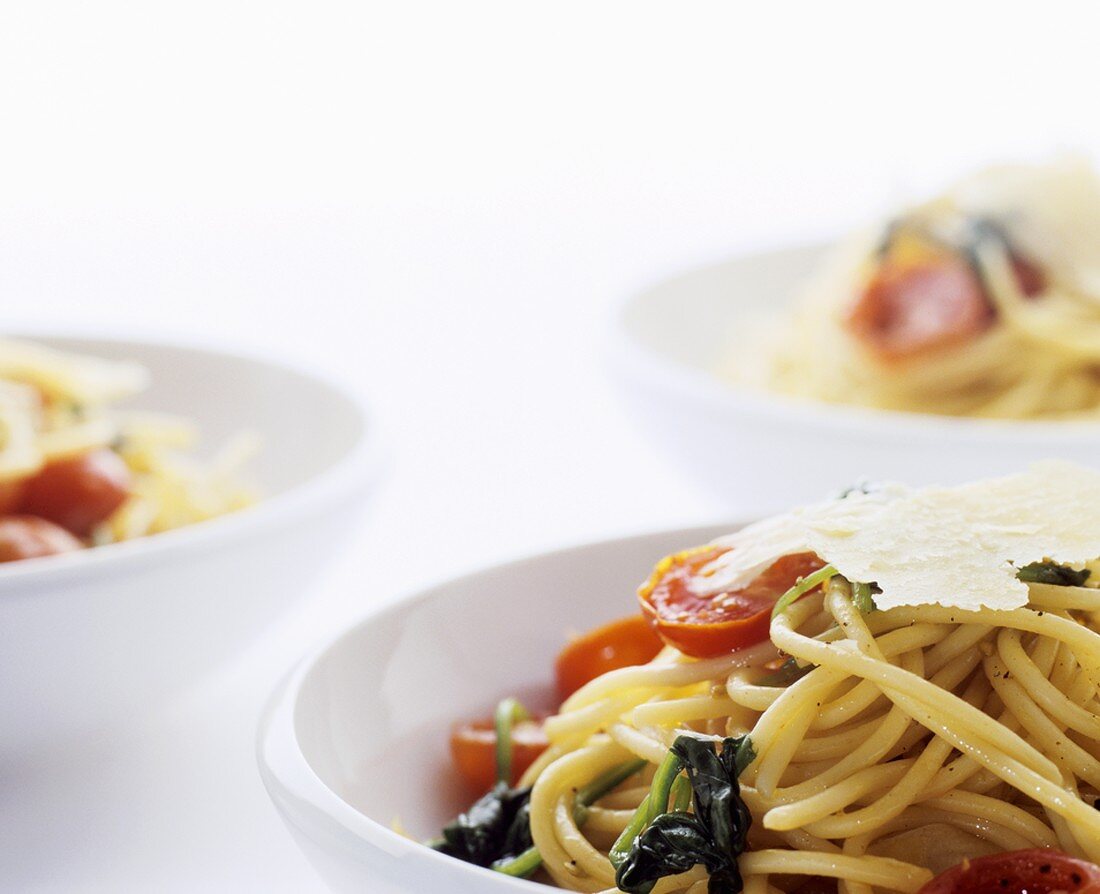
{"x": 673, "y": 843}
{"x": 863, "y": 596}
{"x": 713, "y": 836}
{"x": 496, "y": 831}
{"x": 789, "y": 672}
{"x": 1047, "y": 572}
{"x": 496, "y": 827}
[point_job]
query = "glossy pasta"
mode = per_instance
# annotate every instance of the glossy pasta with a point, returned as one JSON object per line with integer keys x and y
{"x": 904, "y": 740}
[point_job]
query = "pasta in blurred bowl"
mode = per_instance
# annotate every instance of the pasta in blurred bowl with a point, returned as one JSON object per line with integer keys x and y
{"x": 145, "y": 564}
{"x": 76, "y": 471}
{"x": 984, "y": 301}
{"x": 958, "y": 338}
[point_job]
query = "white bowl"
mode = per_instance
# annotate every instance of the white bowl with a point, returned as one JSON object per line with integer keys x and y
{"x": 357, "y": 736}
{"x": 766, "y": 452}
{"x": 114, "y": 631}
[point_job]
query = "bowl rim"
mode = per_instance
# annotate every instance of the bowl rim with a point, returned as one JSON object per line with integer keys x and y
{"x": 288, "y": 776}
{"x": 631, "y": 360}
{"x": 347, "y": 476}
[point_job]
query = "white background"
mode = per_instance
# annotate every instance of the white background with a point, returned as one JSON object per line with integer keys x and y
{"x": 442, "y": 203}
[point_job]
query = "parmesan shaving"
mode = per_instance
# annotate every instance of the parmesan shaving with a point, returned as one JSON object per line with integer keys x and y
{"x": 957, "y": 547}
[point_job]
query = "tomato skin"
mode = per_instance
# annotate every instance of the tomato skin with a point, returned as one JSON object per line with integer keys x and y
{"x": 1035, "y": 871}
{"x": 626, "y": 642}
{"x": 907, "y": 310}
{"x": 924, "y": 295}
{"x": 27, "y": 537}
{"x": 473, "y": 749}
{"x": 705, "y": 626}
{"x": 78, "y": 492}
{"x": 11, "y": 496}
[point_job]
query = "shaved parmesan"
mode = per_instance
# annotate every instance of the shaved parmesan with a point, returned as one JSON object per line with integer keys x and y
{"x": 952, "y": 546}
{"x": 1051, "y": 212}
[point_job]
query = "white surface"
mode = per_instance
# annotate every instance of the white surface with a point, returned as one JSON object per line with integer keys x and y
{"x": 668, "y": 341}
{"x": 335, "y": 747}
{"x": 440, "y": 201}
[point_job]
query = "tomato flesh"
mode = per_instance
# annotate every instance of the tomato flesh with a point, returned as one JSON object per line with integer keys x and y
{"x": 626, "y": 642}
{"x": 908, "y": 310}
{"x": 78, "y": 492}
{"x": 925, "y": 295}
{"x": 473, "y": 749}
{"x": 705, "y": 625}
{"x": 27, "y": 537}
{"x": 11, "y": 495}
{"x": 1035, "y": 871}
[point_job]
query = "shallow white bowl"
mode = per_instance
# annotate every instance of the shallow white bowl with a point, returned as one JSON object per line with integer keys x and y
{"x": 114, "y": 631}
{"x": 765, "y": 452}
{"x": 357, "y": 735}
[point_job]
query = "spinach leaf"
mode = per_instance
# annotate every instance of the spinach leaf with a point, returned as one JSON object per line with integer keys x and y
{"x": 716, "y": 792}
{"x": 495, "y": 827}
{"x": 508, "y": 713}
{"x": 802, "y": 586}
{"x": 601, "y": 785}
{"x": 1048, "y": 572}
{"x": 496, "y": 831}
{"x": 712, "y": 836}
{"x": 673, "y": 843}
{"x": 863, "y": 596}
{"x": 652, "y": 806}
{"x": 788, "y": 672}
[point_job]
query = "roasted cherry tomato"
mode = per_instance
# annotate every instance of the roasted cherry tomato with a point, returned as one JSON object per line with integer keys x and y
{"x": 473, "y": 748}
{"x": 925, "y": 294}
{"x": 707, "y": 625}
{"x": 27, "y": 537}
{"x": 908, "y": 309}
{"x": 79, "y": 492}
{"x": 11, "y": 495}
{"x": 1037, "y": 871}
{"x": 623, "y": 643}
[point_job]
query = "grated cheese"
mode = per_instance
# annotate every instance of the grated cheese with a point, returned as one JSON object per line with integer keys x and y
{"x": 952, "y": 546}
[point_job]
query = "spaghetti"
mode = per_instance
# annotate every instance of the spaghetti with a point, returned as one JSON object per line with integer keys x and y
{"x": 882, "y": 745}
{"x": 76, "y": 471}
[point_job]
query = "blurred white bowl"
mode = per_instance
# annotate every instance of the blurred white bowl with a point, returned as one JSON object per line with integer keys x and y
{"x": 93, "y": 636}
{"x": 764, "y": 452}
{"x": 357, "y": 736}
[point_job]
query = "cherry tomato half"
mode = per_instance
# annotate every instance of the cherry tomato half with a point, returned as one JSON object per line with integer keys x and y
{"x": 910, "y": 309}
{"x": 78, "y": 492}
{"x": 11, "y": 495}
{"x": 707, "y": 625}
{"x": 473, "y": 749}
{"x": 623, "y": 643}
{"x": 1036, "y": 871}
{"x": 27, "y": 537}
